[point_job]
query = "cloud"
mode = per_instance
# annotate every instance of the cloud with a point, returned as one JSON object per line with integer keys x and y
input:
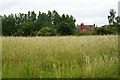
{"x": 5, "y": 4}
{"x": 89, "y": 11}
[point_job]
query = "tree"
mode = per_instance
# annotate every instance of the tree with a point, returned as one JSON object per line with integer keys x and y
{"x": 28, "y": 24}
{"x": 49, "y": 17}
{"x": 117, "y": 20}
{"x": 103, "y": 31}
{"x": 64, "y": 29}
{"x": 111, "y": 17}
{"x": 8, "y": 25}
{"x": 27, "y": 29}
{"x": 55, "y": 18}
{"x": 33, "y": 16}
{"x": 67, "y": 25}
{"x": 29, "y": 16}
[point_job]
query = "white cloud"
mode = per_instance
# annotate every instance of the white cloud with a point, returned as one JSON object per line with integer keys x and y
{"x": 87, "y": 11}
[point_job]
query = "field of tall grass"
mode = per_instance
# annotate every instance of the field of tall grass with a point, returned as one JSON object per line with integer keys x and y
{"x": 60, "y": 57}
{"x": 0, "y": 57}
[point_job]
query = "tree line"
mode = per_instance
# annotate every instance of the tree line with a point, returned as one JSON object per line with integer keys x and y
{"x": 52, "y": 24}
{"x": 41, "y": 24}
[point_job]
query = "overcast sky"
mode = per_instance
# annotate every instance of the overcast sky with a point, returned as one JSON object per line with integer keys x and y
{"x": 84, "y": 11}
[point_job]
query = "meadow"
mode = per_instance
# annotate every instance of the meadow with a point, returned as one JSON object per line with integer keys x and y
{"x": 60, "y": 57}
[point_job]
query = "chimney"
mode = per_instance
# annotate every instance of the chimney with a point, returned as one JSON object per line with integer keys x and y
{"x": 94, "y": 25}
{"x": 82, "y": 24}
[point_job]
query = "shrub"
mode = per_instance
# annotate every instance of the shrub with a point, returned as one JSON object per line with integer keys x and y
{"x": 103, "y": 31}
{"x": 46, "y": 31}
{"x": 83, "y": 33}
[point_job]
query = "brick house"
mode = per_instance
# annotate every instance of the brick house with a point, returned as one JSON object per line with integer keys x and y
{"x": 85, "y": 28}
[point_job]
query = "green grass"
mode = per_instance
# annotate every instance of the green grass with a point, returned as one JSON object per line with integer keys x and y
{"x": 60, "y": 57}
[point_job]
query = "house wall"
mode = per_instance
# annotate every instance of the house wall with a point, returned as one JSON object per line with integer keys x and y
{"x": 88, "y": 30}
{"x": 82, "y": 29}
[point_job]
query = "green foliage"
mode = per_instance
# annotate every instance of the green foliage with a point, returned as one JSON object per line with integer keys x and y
{"x": 56, "y": 18}
{"x": 117, "y": 21}
{"x": 113, "y": 20}
{"x": 113, "y": 29}
{"x": 65, "y": 29}
{"x": 46, "y": 31}
{"x": 111, "y": 17}
{"x": 103, "y": 31}
{"x": 8, "y": 25}
{"x": 83, "y": 33}
{"x": 67, "y": 25}
{"x": 29, "y": 24}
{"x": 26, "y": 29}
{"x": 33, "y": 16}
